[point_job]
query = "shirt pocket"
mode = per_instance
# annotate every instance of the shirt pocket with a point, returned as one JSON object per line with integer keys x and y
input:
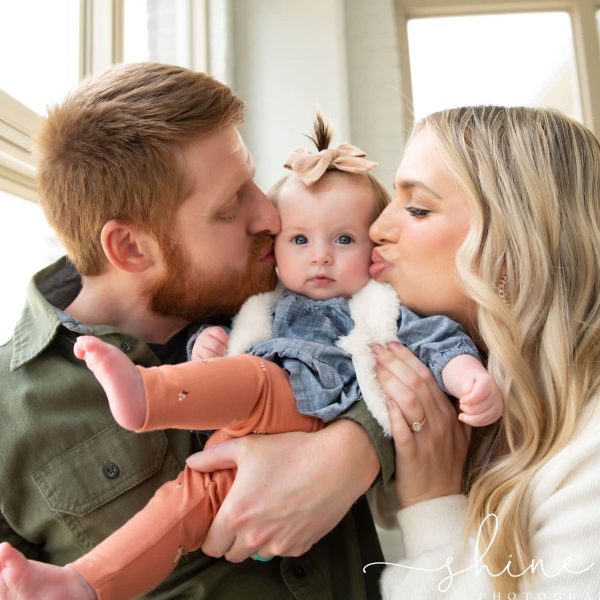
{"x": 94, "y": 487}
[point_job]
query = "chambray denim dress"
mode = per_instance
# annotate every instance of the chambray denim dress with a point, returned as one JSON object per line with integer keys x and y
{"x": 321, "y": 374}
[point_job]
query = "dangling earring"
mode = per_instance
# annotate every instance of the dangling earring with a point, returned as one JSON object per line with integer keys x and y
{"x": 501, "y": 288}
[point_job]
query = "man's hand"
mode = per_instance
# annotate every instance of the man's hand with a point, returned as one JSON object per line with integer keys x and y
{"x": 290, "y": 490}
{"x": 211, "y": 343}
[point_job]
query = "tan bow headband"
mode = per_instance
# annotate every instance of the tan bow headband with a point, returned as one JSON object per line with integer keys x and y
{"x": 310, "y": 166}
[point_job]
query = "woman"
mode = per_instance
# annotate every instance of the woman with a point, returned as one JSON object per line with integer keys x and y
{"x": 496, "y": 223}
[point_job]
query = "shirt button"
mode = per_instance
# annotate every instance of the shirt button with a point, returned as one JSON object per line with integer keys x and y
{"x": 111, "y": 471}
{"x": 298, "y": 571}
{"x": 126, "y": 347}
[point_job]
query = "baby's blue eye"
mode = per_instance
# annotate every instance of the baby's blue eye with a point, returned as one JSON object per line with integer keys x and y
{"x": 300, "y": 239}
{"x": 344, "y": 239}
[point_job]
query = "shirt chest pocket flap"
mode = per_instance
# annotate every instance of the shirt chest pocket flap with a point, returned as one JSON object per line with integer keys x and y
{"x": 100, "y": 469}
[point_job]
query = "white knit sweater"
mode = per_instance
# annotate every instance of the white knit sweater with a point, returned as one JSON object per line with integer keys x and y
{"x": 563, "y": 517}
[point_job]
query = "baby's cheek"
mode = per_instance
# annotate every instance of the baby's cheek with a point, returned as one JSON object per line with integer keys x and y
{"x": 358, "y": 271}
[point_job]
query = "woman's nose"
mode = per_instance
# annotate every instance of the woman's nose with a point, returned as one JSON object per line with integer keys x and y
{"x": 383, "y": 230}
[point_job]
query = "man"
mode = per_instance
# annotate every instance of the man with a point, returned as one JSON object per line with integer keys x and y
{"x": 150, "y": 188}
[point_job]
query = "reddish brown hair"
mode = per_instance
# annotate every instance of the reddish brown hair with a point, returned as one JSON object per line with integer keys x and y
{"x": 111, "y": 151}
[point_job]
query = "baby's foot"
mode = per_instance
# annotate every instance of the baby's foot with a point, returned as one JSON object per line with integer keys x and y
{"x": 22, "y": 579}
{"x": 119, "y": 377}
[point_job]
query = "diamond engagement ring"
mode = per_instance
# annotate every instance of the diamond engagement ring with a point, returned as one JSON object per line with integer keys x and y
{"x": 418, "y": 425}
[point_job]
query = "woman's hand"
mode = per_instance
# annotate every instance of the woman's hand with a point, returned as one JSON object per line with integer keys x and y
{"x": 429, "y": 462}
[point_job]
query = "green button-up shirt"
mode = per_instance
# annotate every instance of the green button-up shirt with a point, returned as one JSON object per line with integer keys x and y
{"x": 70, "y": 476}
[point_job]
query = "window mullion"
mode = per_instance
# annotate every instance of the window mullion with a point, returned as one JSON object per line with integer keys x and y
{"x": 587, "y": 51}
{"x": 198, "y": 19}
{"x": 101, "y": 35}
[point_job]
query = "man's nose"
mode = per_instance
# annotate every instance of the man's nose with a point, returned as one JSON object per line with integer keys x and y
{"x": 264, "y": 217}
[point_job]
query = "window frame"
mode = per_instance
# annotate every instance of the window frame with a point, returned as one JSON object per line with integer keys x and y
{"x": 101, "y": 29}
{"x": 585, "y": 38}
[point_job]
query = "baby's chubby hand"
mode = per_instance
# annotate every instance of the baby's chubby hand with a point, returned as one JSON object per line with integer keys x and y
{"x": 481, "y": 402}
{"x": 211, "y": 343}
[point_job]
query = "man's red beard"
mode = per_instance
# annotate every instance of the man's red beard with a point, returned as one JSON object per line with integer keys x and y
{"x": 191, "y": 293}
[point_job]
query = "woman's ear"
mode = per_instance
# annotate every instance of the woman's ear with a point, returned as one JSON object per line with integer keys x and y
{"x": 127, "y": 247}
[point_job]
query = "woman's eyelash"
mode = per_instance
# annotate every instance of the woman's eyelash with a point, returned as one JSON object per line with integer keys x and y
{"x": 417, "y": 212}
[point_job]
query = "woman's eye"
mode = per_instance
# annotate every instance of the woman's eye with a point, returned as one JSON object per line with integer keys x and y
{"x": 417, "y": 212}
{"x": 344, "y": 239}
{"x": 299, "y": 239}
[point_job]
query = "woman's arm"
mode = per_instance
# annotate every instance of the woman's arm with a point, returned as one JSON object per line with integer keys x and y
{"x": 433, "y": 566}
{"x": 430, "y": 462}
{"x": 564, "y": 525}
{"x": 563, "y": 518}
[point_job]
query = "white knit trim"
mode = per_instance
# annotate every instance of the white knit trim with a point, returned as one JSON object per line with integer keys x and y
{"x": 375, "y": 310}
{"x": 253, "y": 323}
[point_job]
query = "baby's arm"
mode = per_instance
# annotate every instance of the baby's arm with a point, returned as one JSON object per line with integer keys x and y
{"x": 212, "y": 342}
{"x": 480, "y": 398}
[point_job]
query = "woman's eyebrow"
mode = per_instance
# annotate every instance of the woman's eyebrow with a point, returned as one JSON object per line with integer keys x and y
{"x": 409, "y": 184}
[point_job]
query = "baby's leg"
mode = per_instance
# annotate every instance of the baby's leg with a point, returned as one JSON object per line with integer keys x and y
{"x": 139, "y": 555}
{"x": 146, "y": 549}
{"x": 22, "y": 579}
{"x": 143, "y": 552}
{"x": 241, "y": 394}
{"x": 118, "y": 376}
{"x": 197, "y": 395}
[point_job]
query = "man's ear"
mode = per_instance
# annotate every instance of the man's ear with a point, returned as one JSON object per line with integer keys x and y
{"x": 127, "y": 247}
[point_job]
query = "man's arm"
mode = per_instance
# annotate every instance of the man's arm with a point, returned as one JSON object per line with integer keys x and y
{"x": 291, "y": 489}
{"x": 382, "y": 446}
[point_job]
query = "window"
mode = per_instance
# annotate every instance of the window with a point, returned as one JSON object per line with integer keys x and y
{"x": 48, "y": 45}
{"x": 167, "y": 31}
{"x": 512, "y": 59}
{"x": 39, "y": 43}
{"x": 492, "y": 45}
{"x": 27, "y": 244}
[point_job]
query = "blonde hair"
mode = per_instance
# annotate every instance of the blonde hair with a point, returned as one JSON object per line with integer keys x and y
{"x": 532, "y": 179}
{"x": 111, "y": 150}
{"x": 321, "y": 138}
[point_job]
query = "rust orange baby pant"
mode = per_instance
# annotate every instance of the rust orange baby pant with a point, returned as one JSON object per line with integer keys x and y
{"x": 237, "y": 395}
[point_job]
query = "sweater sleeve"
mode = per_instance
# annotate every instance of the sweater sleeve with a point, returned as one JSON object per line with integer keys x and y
{"x": 432, "y": 537}
{"x": 563, "y": 517}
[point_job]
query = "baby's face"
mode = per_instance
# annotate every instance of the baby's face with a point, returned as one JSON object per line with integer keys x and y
{"x": 323, "y": 250}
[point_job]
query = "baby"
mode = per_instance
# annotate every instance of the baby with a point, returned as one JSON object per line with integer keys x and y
{"x": 309, "y": 360}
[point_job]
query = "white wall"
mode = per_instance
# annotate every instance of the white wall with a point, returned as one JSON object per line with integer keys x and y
{"x": 374, "y": 90}
{"x": 289, "y": 56}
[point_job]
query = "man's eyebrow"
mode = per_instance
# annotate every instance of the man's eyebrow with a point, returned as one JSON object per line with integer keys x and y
{"x": 409, "y": 184}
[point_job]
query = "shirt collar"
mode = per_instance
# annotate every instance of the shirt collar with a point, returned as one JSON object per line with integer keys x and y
{"x": 52, "y": 288}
